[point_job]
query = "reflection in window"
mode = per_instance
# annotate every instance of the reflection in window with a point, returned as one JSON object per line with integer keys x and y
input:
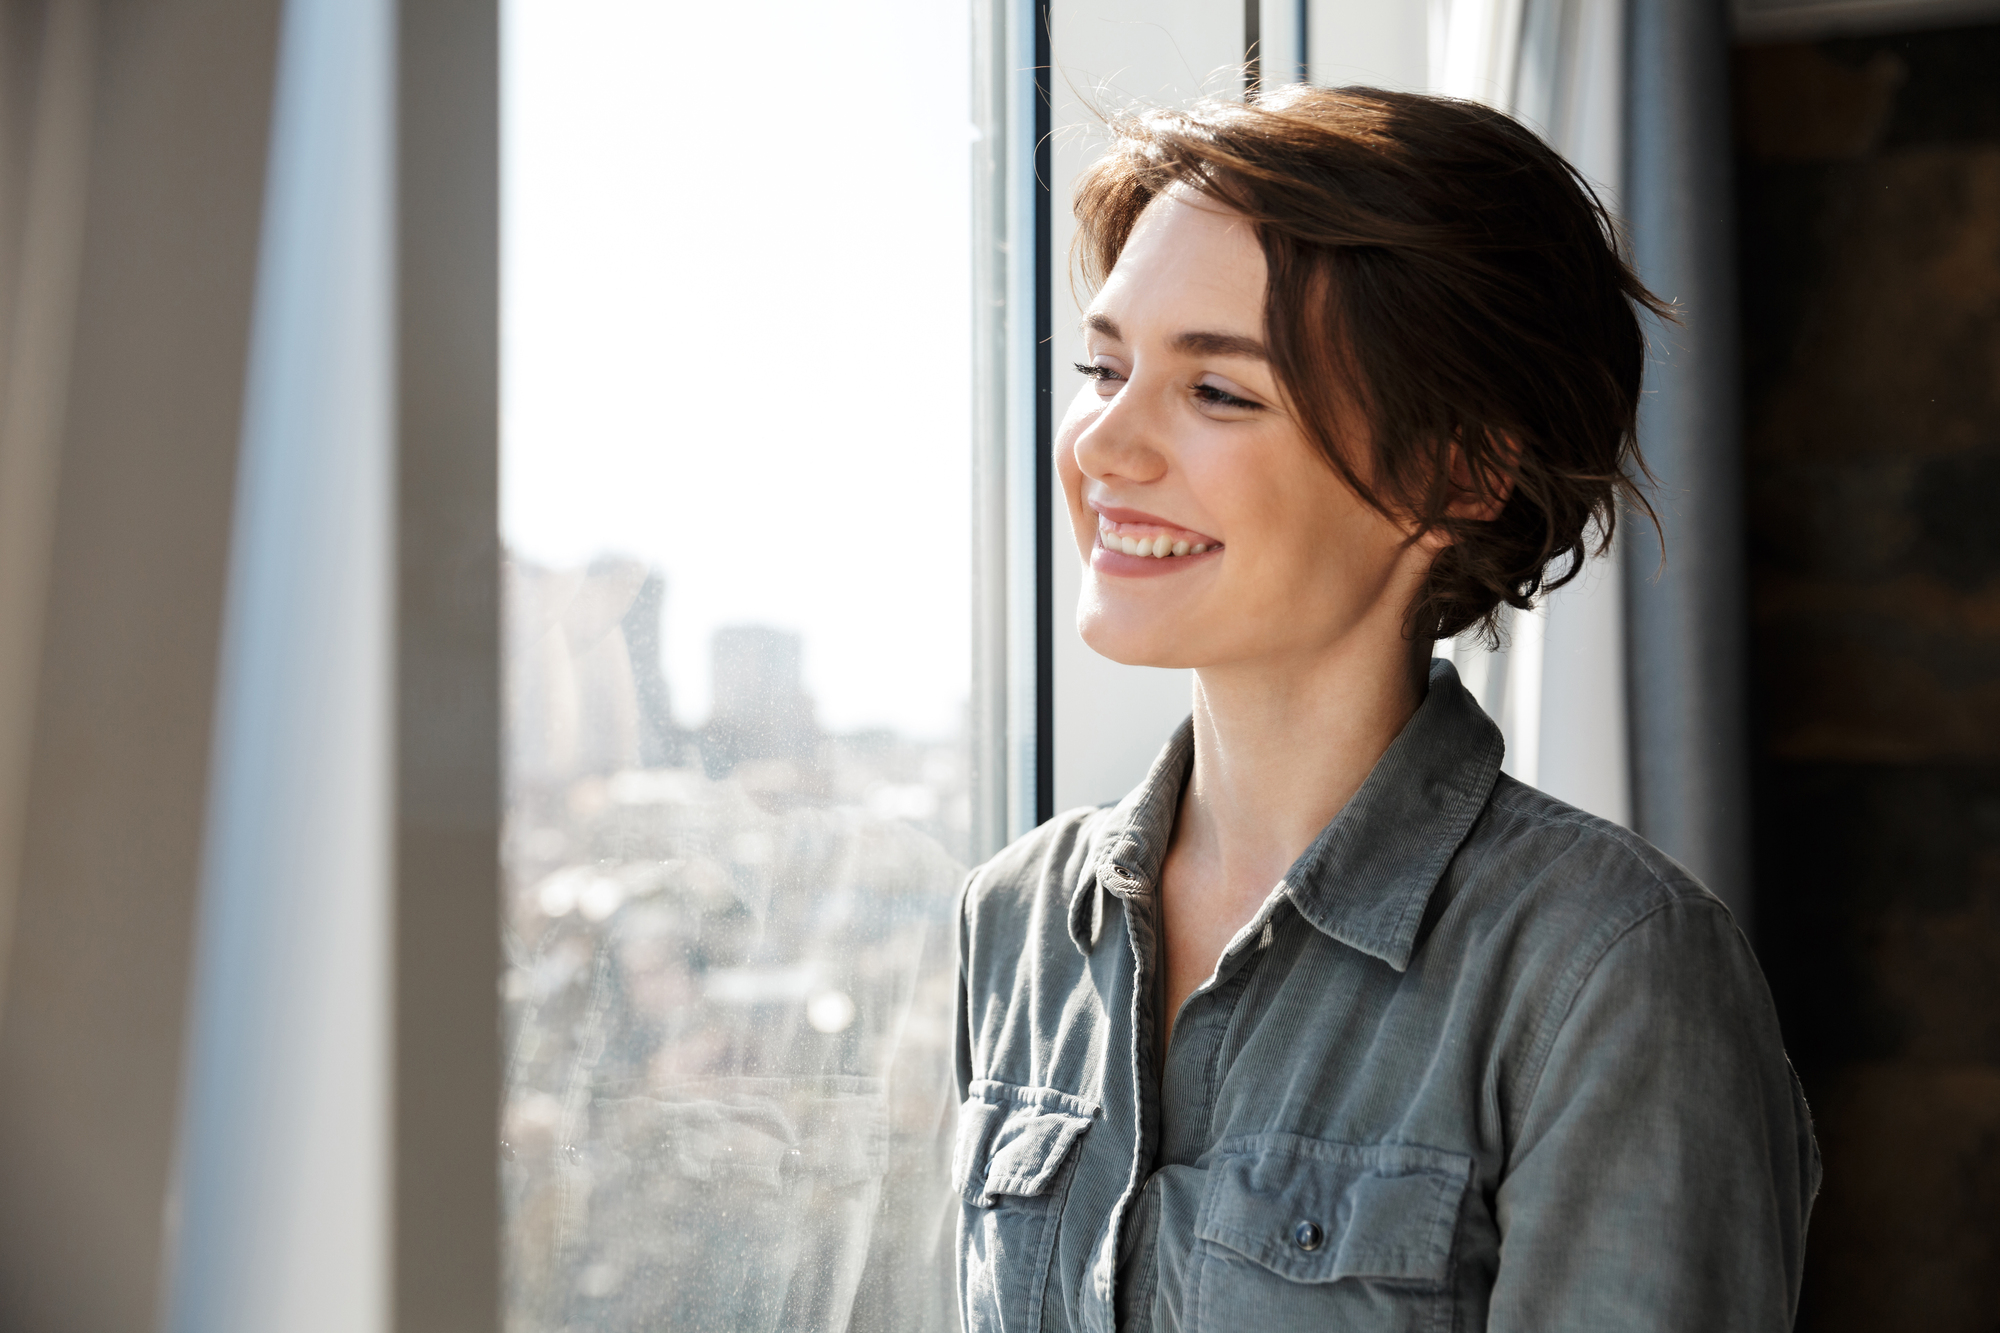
{"x": 736, "y": 498}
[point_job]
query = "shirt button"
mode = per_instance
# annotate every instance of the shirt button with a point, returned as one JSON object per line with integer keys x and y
{"x": 1308, "y": 1235}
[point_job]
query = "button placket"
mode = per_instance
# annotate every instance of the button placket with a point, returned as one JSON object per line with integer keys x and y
{"x": 1137, "y": 907}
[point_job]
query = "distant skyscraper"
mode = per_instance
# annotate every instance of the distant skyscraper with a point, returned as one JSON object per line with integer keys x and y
{"x": 761, "y": 707}
{"x": 586, "y": 690}
{"x": 659, "y": 741}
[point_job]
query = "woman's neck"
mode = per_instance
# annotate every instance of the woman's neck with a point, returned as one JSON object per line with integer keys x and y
{"x": 1279, "y": 749}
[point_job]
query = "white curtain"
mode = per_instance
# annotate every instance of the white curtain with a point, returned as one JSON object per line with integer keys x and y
{"x": 1557, "y": 65}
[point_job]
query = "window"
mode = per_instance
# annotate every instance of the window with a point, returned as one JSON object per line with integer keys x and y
{"x": 737, "y": 507}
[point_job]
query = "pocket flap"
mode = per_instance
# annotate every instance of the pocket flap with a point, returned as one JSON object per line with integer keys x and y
{"x": 1315, "y": 1211}
{"x": 1012, "y": 1140}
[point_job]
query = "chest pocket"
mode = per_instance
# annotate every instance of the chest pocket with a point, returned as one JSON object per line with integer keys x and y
{"x": 1011, "y": 1166}
{"x": 1296, "y": 1232}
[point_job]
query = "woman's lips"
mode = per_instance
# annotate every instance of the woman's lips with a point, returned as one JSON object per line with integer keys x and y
{"x": 1132, "y": 544}
{"x": 1116, "y": 518}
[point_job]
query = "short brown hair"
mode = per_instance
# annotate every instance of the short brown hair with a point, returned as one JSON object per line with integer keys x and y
{"x": 1437, "y": 268}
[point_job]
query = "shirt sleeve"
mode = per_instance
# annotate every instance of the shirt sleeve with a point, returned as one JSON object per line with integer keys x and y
{"x": 1664, "y": 1168}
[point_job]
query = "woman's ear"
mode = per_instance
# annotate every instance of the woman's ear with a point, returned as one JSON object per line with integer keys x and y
{"x": 1481, "y": 480}
{"x": 1476, "y": 488}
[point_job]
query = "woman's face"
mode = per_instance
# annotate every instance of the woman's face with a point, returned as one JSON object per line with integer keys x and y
{"x": 1181, "y": 443}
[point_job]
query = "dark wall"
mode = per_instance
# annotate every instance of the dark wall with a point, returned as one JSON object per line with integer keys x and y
{"x": 1869, "y": 190}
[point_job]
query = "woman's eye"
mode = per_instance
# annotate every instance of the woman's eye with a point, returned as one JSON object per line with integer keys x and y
{"x": 1104, "y": 375}
{"x": 1208, "y": 393}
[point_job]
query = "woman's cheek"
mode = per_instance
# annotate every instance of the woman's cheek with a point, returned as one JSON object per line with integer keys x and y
{"x": 1083, "y": 524}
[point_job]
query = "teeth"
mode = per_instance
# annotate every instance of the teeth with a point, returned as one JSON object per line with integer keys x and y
{"x": 1158, "y": 547}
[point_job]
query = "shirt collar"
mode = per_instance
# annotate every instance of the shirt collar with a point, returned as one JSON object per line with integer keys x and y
{"x": 1368, "y": 876}
{"x": 1135, "y": 842}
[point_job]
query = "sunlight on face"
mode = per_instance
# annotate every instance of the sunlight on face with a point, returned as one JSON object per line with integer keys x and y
{"x": 1212, "y": 532}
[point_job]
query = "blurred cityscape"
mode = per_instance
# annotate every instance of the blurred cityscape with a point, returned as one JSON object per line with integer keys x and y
{"x": 728, "y": 987}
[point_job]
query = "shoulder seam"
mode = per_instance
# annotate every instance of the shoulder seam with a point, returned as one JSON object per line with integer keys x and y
{"x": 1563, "y": 1002}
{"x": 1631, "y": 844}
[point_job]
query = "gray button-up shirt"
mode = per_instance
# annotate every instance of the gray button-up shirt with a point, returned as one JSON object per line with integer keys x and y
{"x": 1481, "y": 1061}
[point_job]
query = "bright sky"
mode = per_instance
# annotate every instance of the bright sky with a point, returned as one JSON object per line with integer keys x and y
{"x": 736, "y": 338}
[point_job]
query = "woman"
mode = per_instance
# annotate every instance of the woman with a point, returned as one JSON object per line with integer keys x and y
{"x": 1363, "y": 367}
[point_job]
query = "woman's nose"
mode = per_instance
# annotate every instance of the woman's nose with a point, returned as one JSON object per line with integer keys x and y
{"x": 1121, "y": 441}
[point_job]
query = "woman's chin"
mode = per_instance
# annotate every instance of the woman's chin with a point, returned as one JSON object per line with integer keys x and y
{"x": 1133, "y": 640}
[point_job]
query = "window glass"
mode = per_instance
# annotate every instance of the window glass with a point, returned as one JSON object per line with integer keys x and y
{"x": 736, "y": 408}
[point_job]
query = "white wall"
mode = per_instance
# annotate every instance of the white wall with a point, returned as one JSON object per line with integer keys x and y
{"x": 1384, "y": 44}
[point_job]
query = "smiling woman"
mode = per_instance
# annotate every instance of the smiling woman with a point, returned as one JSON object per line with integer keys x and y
{"x": 1329, "y": 1023}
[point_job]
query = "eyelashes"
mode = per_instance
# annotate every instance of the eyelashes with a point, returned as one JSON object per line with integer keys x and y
{"x": 1206, "y": 393}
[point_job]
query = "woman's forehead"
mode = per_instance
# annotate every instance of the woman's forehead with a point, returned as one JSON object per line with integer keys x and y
{"x": 1188, "y": 258}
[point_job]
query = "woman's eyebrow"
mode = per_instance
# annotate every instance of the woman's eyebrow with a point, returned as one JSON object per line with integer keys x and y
{"x": 1193, "y": 343}
{"x": 1220, "y": 344}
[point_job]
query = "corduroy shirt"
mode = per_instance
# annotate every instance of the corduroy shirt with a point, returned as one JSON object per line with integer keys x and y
{"x": 1482, "y": 1061}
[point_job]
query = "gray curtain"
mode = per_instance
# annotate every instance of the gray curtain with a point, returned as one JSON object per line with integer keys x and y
{"x": 1687, "y": 650}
